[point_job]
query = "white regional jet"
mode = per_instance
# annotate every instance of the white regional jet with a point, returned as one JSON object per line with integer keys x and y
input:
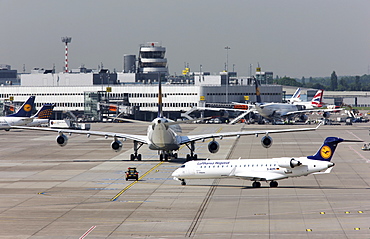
{"x": 21, "y": 117}
{"x": 257, "y": 170}
{"x": 162, "y": 136}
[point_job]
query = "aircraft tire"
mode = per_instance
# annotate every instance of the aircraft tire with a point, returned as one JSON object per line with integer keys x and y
{"x": 256, "y": 184}
{"x": 274, "y": 184}
{"x": 183, "y": 183}
{"x": 139, "y": 157}
{"x": 161, "y": 157}
{"x": 132, "y": 157}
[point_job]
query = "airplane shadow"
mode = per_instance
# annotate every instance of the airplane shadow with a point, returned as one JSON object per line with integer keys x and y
{"x": 277, "y": 188}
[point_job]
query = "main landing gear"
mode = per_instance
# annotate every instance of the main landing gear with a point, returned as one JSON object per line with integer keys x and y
{"x": 167, "y": 155}
{"x": 135, "y": 155}
{"x": 273, "y": 184}
{"x": 191, "y": 156}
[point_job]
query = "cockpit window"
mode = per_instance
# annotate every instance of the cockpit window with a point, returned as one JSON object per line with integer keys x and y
{"x": 182, "y": 166}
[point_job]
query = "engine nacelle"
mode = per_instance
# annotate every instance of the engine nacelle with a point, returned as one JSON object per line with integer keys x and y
{"x": 213, "y": 146}
{"x": 303, "y": 117}
{"x": 116, "y": 145}
{"x": 62, "y": 140}
{"x": 326, "y": 115}
{"x": 289, "y": 163}
{"x": 266, "y": 141}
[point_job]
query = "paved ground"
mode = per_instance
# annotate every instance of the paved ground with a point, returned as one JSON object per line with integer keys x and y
{"x": 51, "y": 192}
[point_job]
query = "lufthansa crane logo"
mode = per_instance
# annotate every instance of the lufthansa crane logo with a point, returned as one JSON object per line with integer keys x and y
{"x": 27, "y": 107}
{"x": 325, "y": 152}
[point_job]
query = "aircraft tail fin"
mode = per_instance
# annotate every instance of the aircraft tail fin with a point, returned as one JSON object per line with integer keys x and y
{"x": 44, "y": 112}
{"x": 296, "y": 96}
{"x": 160, "y": 110}
{"x": 258, "y": 93}
{"x": 26, "y": 108}
{"x": 327, "y": 149}
{"x": 317, "y": 99}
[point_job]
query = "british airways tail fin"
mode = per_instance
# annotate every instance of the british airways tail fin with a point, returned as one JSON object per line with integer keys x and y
{"x": 26, "y": 108}
{"x": 258, "y": 94}
{"x": 160, "y": 111}
{"x": 44, "y": 112}
{"x": 317, "y": 99}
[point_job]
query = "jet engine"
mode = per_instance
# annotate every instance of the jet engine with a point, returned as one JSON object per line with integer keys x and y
{"x": 62, "y": 140}
{"x": 116, "y": 145}
{"x": 303, "y": 117}
{"x": 289, "y": 163}
{"x": 326, "y": 115}
{"x": 266, "y": 141}
{"x": 213, "y": 146}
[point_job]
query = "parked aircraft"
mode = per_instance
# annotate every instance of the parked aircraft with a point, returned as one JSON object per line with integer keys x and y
{"x": 162, "y": 136}
{"x": 257, "y": 170}
{"x": 42, "y": 116}
{"x": 315, "y": 103}
{"x": 279, "y": 111}
{"x": 21, "y": 117}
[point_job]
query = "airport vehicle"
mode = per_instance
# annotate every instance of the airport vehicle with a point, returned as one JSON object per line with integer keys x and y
{"x": 131, "y": 173}
{"x": 42, "y": 116}
{"x": 21, "y": 117}
{"x": 366, "y": 147}
{"x": 257, "y": 170}
{"x": 162, "y": 136}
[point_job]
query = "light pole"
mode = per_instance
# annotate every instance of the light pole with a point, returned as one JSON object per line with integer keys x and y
{"x": 227, "y": 48}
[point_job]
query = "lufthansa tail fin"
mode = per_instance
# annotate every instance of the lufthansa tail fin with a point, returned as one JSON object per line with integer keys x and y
{"x": 44, "y": 112}
{"x": 258, "y": 94}
{"x": 26, "y": 108}
{"x": 160, "y": 111}
{"x": 327, "y": 149}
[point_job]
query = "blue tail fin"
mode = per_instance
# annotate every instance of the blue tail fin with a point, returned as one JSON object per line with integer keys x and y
{"x": 26, "y": 108}
{"x": 258, "y": 94}
{"x": 326, "y": 151}
{"x": 44, "y": 112}
{"x": 160, "y": 111}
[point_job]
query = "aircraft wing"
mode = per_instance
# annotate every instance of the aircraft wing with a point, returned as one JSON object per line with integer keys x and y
{"x": 260, "y": 176}
{"x": 220, "y": 109}
{"x": 187, "y": 139}
{"x": 311, "y": 111}
{"x": 139, "y": 138}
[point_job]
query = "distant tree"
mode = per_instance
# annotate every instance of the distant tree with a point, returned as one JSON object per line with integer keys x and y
{"x": 333, "y": 81}
{"x": 287, "y": 81}
{"x": 303, "y": 81}
{"x": 357, "y": 83}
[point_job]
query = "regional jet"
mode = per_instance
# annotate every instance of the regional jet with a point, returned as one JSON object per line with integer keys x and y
{"x": 257, "y": 170}
{"x": 162, "y": 136}
{"x": 21, "y": 117}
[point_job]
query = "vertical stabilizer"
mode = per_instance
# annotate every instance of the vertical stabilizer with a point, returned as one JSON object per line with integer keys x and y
{"x": 258, "y": 94}
{"x": 44, "y": 112}
{"x": 26, "y": 108}
{"x": 326, "y": 151}
{"x": 317, "y": 99}
{"x": 160, "y": 111}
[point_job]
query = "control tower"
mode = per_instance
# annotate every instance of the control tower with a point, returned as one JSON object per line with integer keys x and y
{"x": 151, "y": 59}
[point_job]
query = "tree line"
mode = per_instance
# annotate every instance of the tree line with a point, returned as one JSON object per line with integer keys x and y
{"x": 334, "y": 83}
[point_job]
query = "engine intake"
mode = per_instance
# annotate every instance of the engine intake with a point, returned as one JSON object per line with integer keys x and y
{"x": 213, "y": 146}
{"x": 290, "y": 163}
{"x": 266, "y": 141}
{"x": 326, "y": 115}
{"x": 62, "y": 140}
{"x": 116, "y": 145}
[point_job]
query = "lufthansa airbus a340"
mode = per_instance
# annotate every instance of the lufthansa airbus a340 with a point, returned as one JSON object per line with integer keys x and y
{"x": 162, "y": 136}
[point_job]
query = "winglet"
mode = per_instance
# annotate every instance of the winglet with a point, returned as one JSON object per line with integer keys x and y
{"x": 26, "y": 108}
